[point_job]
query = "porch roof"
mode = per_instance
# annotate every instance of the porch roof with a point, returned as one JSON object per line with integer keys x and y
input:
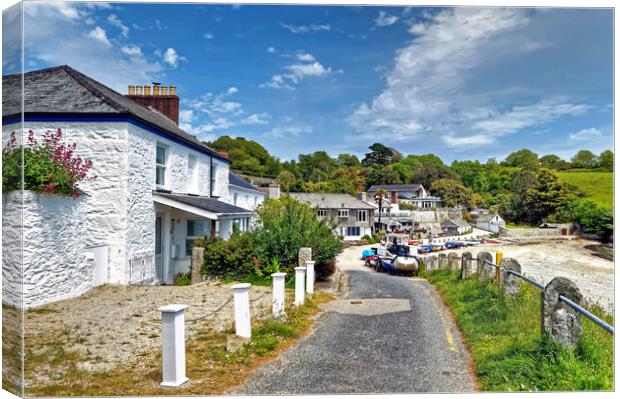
{"x": 209, "y": 208}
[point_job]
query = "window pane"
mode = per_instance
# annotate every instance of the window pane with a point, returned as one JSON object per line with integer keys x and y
{"x": 160, "y": 157}
{"x": 189, "y": 244}
{"x": 196, "y": 228}
{"x": 160, "y": 174}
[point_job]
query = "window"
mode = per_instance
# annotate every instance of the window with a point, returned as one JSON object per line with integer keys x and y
{"x": 343, "y": 213}
{"x": 236, "y": 224}
{"x": 322, "y": 213}
{"x": 353, "y": 231}
{"x": 213, "y": 175}
{"x": 362, "y": 216}
{"x": 160, "y": 165}
{"x": 195, "y": 229}
{"x": 192, "y": 174}
{"x": 255, "y": 201}
{"x": 235, "y": 198}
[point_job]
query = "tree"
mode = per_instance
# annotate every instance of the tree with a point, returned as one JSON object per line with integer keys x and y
{"x": 382, "y": 175}
{"x": 453, "y": 193}
{"x": 286, "y": 180}
{"x": 521, "y": 158}
{"x": 584, "y": 159}
{"x": 423, "y": 169}
{"x": 247, "y": 156}
{"x": 378, "y": 155}
{"x": 347, "y": 160}
{"x": 379, "y": 196}
{"x": 554, "y": 162}
{"x": 606, "y": 160}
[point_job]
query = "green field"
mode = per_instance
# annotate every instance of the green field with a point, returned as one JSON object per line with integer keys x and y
{"x": 598, "y": 186}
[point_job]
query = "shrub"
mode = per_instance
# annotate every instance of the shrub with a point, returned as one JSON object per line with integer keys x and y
{"x": 590, "y": 217}
{"x": 49, "y": 167}
{"x": 234, "y": 258}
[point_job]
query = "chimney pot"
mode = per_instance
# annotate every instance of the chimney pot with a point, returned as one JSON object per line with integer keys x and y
{"x": 132, "y": 90}
{"x": 164, "y": 91}
{"x": 173, "y": 90}
{"x": 155, "y": 90}
{"x": 147, "y": 90}
{"x": 139, "y": 90}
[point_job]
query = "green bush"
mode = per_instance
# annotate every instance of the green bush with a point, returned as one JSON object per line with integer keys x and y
{"x": 234, "y": 258}
{"x": 590, "y": 217}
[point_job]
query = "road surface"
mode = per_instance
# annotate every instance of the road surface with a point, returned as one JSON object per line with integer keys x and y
{"x": 399, "y": 339}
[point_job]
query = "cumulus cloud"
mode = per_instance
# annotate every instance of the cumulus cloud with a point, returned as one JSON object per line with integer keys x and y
{"x": 115, "y": 21}
{"x": 99, "y": 34}
{"x": 288, "y": 130}
{"x": 133, "y": 51}
{"x": 385, "y": 19}
{"x": 295, "y": 73}
{"x": 208, "y": 36}
{"x": 586, "y": 134}
{"x": 429, "y": 88}
{"x": 306, "y": 28}
{"x": 171, "y": 57}
{"x": 305, "y": 57}
{"x": 271, "y": 50}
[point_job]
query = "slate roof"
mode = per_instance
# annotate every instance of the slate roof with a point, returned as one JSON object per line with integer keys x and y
{"x": 206, "y": 203}
{"x": 62, "y": 90}
{"x": 240, "y": 182}
{"x": 331, "y": 201}
{"x": 456, "y": 222}
{"x": 487, "y": 217}
{"x": 395, "y": 187}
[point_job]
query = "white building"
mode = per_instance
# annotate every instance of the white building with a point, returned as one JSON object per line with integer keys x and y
{"x": 157, "y": 189}
{"x": 490, "y": 222}
{"x": 243, "y": 194}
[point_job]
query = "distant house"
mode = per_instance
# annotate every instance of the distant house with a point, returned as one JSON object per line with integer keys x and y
{"x": 455, "y": 227}
{"x": 243, "y": 194}
{"x": 354, "y": 217}
{"x": 490, "y": 222}
{"x": 413, "y": 194}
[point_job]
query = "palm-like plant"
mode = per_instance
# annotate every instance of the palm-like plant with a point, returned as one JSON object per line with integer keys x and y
{"x": 379, "y": 196}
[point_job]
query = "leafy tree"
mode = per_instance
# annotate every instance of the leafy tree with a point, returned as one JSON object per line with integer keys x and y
{"x": 286, "y": 180}
{"x": 316, "y": 166}
{"x": 382, "y": 175}
{"x": 453, "y": 193}
{"x": 247, "y": 156}
{"x": 378, "y": 155}
{"x": 590, "y": 217}
{"x": 554, "y": 162}
{"x": 380, "y": 195}
{"x": 606, "y": 160}
{"x": 521, "y": 158}
{"x": 584, "y": 159}
{"x": 347, "y": 160}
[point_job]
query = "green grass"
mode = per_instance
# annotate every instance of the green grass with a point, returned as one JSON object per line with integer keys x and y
{"x": 507, "y": 348}
{"x": 598, "y": 186}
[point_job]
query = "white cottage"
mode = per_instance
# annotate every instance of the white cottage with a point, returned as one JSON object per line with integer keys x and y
{"x": 490, "y": 222}
{"x": 157, "y": 189}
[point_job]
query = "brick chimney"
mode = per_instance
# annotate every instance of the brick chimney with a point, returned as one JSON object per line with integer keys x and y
{"x": 160, "y": 99}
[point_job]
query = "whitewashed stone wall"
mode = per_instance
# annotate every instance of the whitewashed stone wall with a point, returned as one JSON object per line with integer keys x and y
{"x": 55, "y": 265}
{"x": 245, "y": 198}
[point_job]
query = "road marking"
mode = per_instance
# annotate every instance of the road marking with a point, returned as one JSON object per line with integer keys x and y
{"x": 442, "y": 316}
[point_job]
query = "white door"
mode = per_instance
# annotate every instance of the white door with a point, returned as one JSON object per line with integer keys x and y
{"x": 159, "y": 259}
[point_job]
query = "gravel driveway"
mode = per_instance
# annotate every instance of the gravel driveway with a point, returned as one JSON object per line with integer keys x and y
{"x": 399, "y": 339}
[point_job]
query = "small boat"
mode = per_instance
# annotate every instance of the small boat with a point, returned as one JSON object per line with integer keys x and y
{"x": 492, "y": 241}
{"x": 367, "y": 252}
{"x": 472, "y": 243}
{"x": 454, "y": 244}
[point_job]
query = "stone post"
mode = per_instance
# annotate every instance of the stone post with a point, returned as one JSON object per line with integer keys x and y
{"x": 442, "y": 261}
{"x": 452, "y": 261}
{"x": 310, "y": 277}
{"x": 241, "y": 294}
{"x": 466, "y": 265}
{"x": 277, "y": 287}
{"x": 510, "y": 282}
{"x": 198, "y": 255}
{"x": 484, "y": 270}
{"x": 173, "y": 345}
{"x": 300, "y": 274}
{"x": 560, "y": 321}
{"x": 305, "y": 254}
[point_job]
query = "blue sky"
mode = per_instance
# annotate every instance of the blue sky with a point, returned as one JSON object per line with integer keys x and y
{"x": 463, "y": 83}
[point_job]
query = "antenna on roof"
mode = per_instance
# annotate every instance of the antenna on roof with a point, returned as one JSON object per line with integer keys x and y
{"x": 156, "y": 83}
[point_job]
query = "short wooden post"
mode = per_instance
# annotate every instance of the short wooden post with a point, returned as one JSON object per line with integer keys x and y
{"x": 173, "y": 345}
{"x": 310, "y": 277}
{"x": 300, "y": 275}
{"x": 277, "y": 307}
{"x": 241, "y": 294}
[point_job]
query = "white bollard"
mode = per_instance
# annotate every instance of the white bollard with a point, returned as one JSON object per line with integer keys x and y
{"x": 241, "y": 293}
{"x": 310, "y": 277}
{"x": 300, "y": 275}
{"x": 173, "y": 345}
{"x": 277, "y": 307}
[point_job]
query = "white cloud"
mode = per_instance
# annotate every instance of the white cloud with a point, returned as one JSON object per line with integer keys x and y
{"x": 305, "y": 57}
{"x": 115, "y": 21}
{"x": 385, "y": 19}
{"x": 586, "y": 134}
{"x": 306, "y": 28}
{"x": 256, "y": 119}
{"x": 429, "y": 89}
{"x": 271, "y": 50}
{"x": 133, "y": 51}
{"x": 171, "y": 57}
{"x": 287, "y": 130}
{"x": 99, "y": 34}
{"x": 208, "y": 36}
{"x": 232, "y": 90}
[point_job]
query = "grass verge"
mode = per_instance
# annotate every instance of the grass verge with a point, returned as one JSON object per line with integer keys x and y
{"x": 507, "y": 348}
{"x": 596, "y": 185}
{"x": 210, "y": 368}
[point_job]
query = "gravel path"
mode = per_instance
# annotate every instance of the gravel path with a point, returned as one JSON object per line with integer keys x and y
{"x": 400, "y": 339}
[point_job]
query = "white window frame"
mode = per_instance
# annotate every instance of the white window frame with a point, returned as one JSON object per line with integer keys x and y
{"x": 164, "y": 165}
{"x": 321, "y": 213}
{"x": 357, "y": 228}
{"x": 343, "y": 213}
{"x": 364, "y": 218}
{"x": 192, "y": 174}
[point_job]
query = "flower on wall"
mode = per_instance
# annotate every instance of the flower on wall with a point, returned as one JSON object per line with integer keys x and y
{"x": 50, "y": 166}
